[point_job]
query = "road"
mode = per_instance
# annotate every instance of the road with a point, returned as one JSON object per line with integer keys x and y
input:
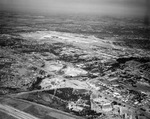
{"x": 8, "y": 102}
{"x": 15, "y": 112}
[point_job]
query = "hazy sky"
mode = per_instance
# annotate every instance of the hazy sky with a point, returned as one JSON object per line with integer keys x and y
{"x": 121, "y": 7}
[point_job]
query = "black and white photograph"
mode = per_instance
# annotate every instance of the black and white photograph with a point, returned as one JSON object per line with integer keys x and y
{"x": 74, "y": 59}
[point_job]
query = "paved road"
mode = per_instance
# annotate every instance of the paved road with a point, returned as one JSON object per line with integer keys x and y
{"x": 15, "y": 112}
{"x": 7, "y": 108}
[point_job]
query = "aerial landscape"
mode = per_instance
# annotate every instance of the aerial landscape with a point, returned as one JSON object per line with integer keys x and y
{"x": 74, "y": 66}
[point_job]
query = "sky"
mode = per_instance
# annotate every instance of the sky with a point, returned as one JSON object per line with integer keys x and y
{"x": 101, "y": 7}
